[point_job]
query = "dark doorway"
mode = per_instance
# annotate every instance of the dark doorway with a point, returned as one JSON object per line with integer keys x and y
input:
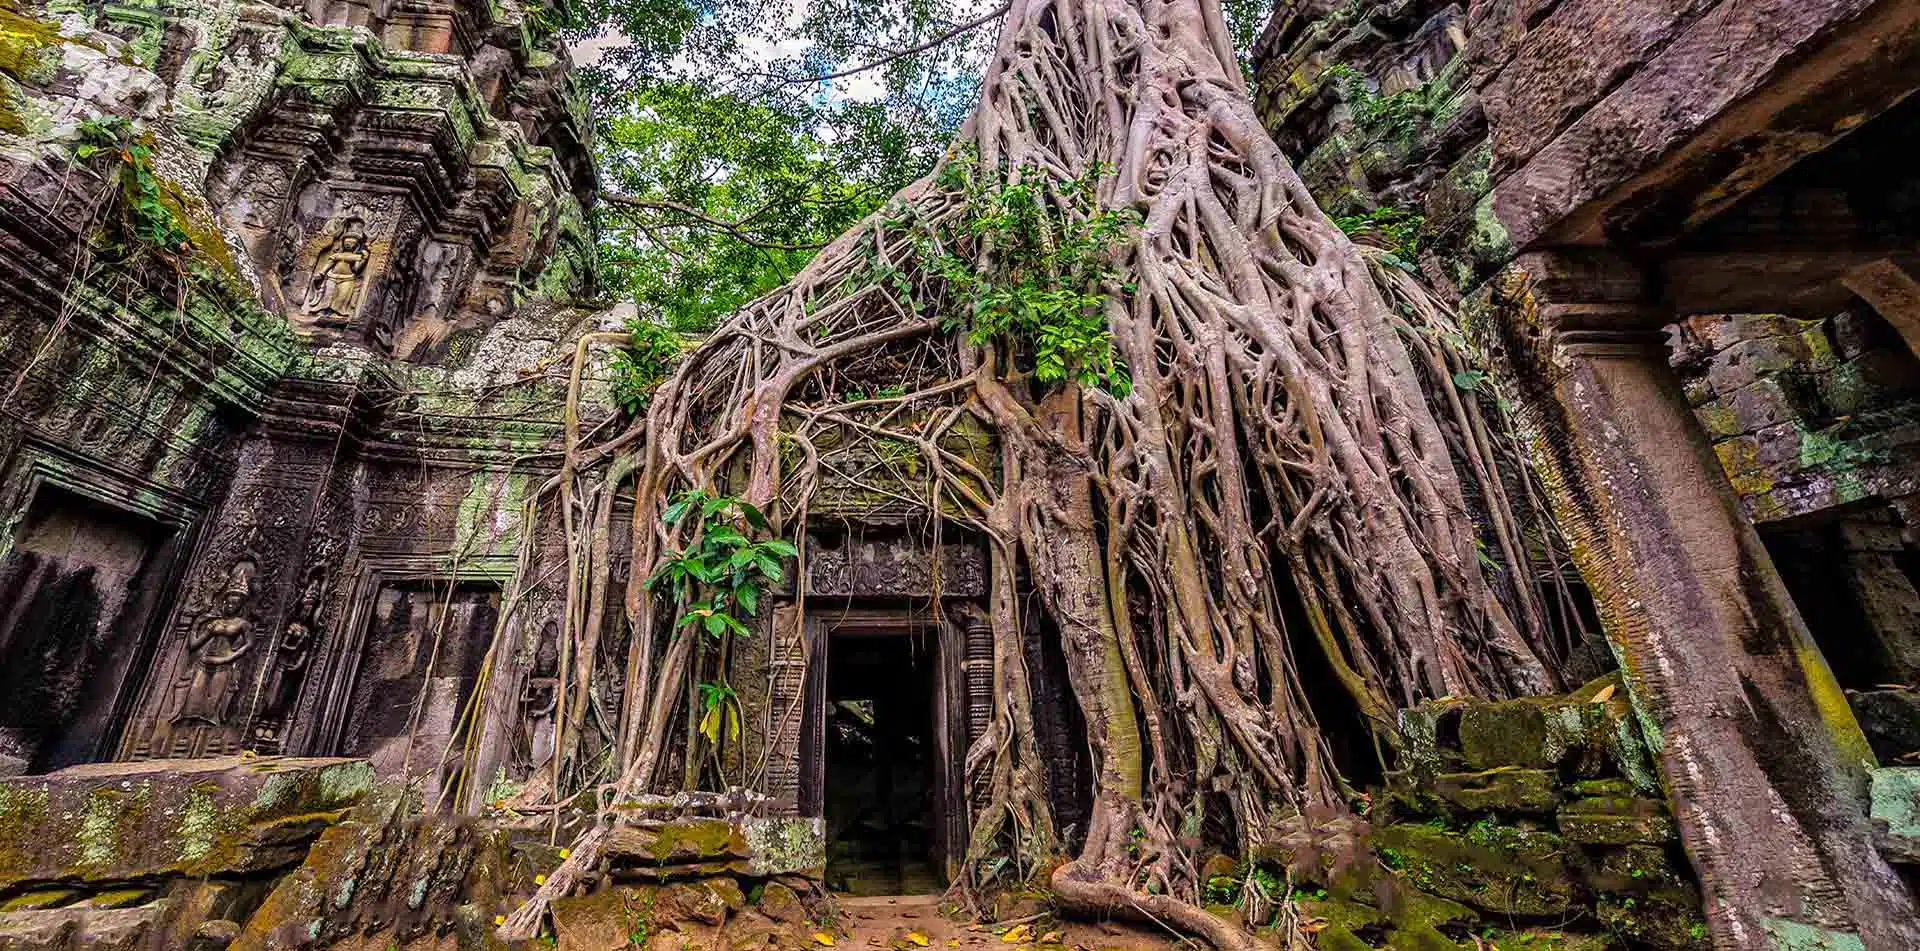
{"x": 78, "y": 595}
{"x": 885, "y": 786}
{"x": 422, "y": 656}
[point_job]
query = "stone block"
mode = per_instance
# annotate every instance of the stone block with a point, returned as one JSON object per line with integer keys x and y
{"x": 610, "y": 918}
{"x": 702, "y": 902}
{"x": 193, "y": 818}
{"x": 1431, "y": 733}
{"x": 1894, "y": 793}
{"x": 1494, "y": 868}
{"x": 1716, "y": 332}
{"x": 1757, "y": 406}
{"x": 1576, "y": 55}
{"x": 1505, "y": 789}
{"x": 1699, "y": 389}
{"x": 1631, "y": 869}
{"x": 1742, "y": 363}
{"x": 1720, "y": 420}
{"x": 1615, "y": 820}
{"x": 82, "y": 929}
{"x": 784, "y": 845}
{"x": 1891, "y": 720}
{"x": 1664, "y": 920}
{"x": 780, "y": 903}
{"x": 685, "y": 841}
{"x": 39, "y": 899}
{"x": 1532, "y": 732}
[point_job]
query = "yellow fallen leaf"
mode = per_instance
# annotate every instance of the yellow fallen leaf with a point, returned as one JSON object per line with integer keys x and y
{"x": 539, "y": 879}
{"x": 825, "y": 939}
{"x": 1605, "y": 694}
{"x": 1016, "y": 934}
{"x": 918, "y": 938}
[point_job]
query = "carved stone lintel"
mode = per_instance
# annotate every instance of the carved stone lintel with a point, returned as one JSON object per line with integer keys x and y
{"x": 894, "y": 567}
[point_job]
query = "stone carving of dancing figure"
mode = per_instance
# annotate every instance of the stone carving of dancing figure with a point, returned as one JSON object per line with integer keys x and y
{"x": 214, "y": 645}
{"x": 339, "y": 271}
{"x": 296, "y": 648}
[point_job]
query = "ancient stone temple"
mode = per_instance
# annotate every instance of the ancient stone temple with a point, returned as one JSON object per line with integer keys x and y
{"x": 300, "y": 313}
{"x": 257, "y": 479}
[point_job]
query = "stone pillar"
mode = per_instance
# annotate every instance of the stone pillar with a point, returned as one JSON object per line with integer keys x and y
{"x": 1762, "y": 758}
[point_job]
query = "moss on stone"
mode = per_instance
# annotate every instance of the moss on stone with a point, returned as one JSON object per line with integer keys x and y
{"x": 1615, "y": 820}
{"x": 1502, "y": 789}
{"x": 120, "y": 898}
{"x": 23, "y": 809}
{"x": 24, "y": 43}
{"x": 40, "y": 898}
{"x": 1420, "y": 938}
{"x": 1337, "y": 938}
{"x": 1668, "y": 919}
{"x": 1493, "y": 868}
{"x": 1544, "y": 939}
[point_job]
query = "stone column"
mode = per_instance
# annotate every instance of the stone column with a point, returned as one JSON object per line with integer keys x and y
{"x": 1762, "y": 759}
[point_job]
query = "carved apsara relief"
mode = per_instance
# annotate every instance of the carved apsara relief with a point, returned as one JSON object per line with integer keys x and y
{"x": 337, "y": 278}
{"x": 204, "y": 695}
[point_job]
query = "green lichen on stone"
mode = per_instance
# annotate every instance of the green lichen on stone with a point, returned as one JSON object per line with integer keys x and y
{"x": 1894, "y": 794}
{"x": 40, "y": 898}
{"x": 1487, "y": 240}
{"x": 1830, "y": 450}
{"x": 781, "y": 846}
{"x": 200, "y": 824}
{"x": 344, "y": 783}
{"x": 110, "y": 815}
{"x": 23, "y": 812}
{"x": 1787, "y": 935}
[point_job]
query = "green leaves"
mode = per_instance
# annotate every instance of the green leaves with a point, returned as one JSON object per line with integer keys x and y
{"x": 1033, "y": 261}
{"x": 720, "y": 197}
{"x": 1469, "y": 381}
{"x": 1392, "y": 229}
{"x": 724, "y": 563}
{"x": 640, "y": 367}
{"x": 150, "y": 218}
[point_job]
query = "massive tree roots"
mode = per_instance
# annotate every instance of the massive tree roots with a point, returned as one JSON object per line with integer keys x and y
{"x": 1281, "y": 464}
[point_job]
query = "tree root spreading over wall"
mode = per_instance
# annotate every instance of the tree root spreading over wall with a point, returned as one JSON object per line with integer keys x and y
{"x": 1289, "y": 466}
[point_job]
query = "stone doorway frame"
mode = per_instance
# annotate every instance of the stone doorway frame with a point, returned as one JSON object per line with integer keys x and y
{"x": 50, "y": 466}
{"x": 952, "y": 816}
{"x": 325, "y": 707}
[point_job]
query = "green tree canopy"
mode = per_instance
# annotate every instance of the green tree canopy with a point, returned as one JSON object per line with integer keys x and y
{"x": 736, "y": 137}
